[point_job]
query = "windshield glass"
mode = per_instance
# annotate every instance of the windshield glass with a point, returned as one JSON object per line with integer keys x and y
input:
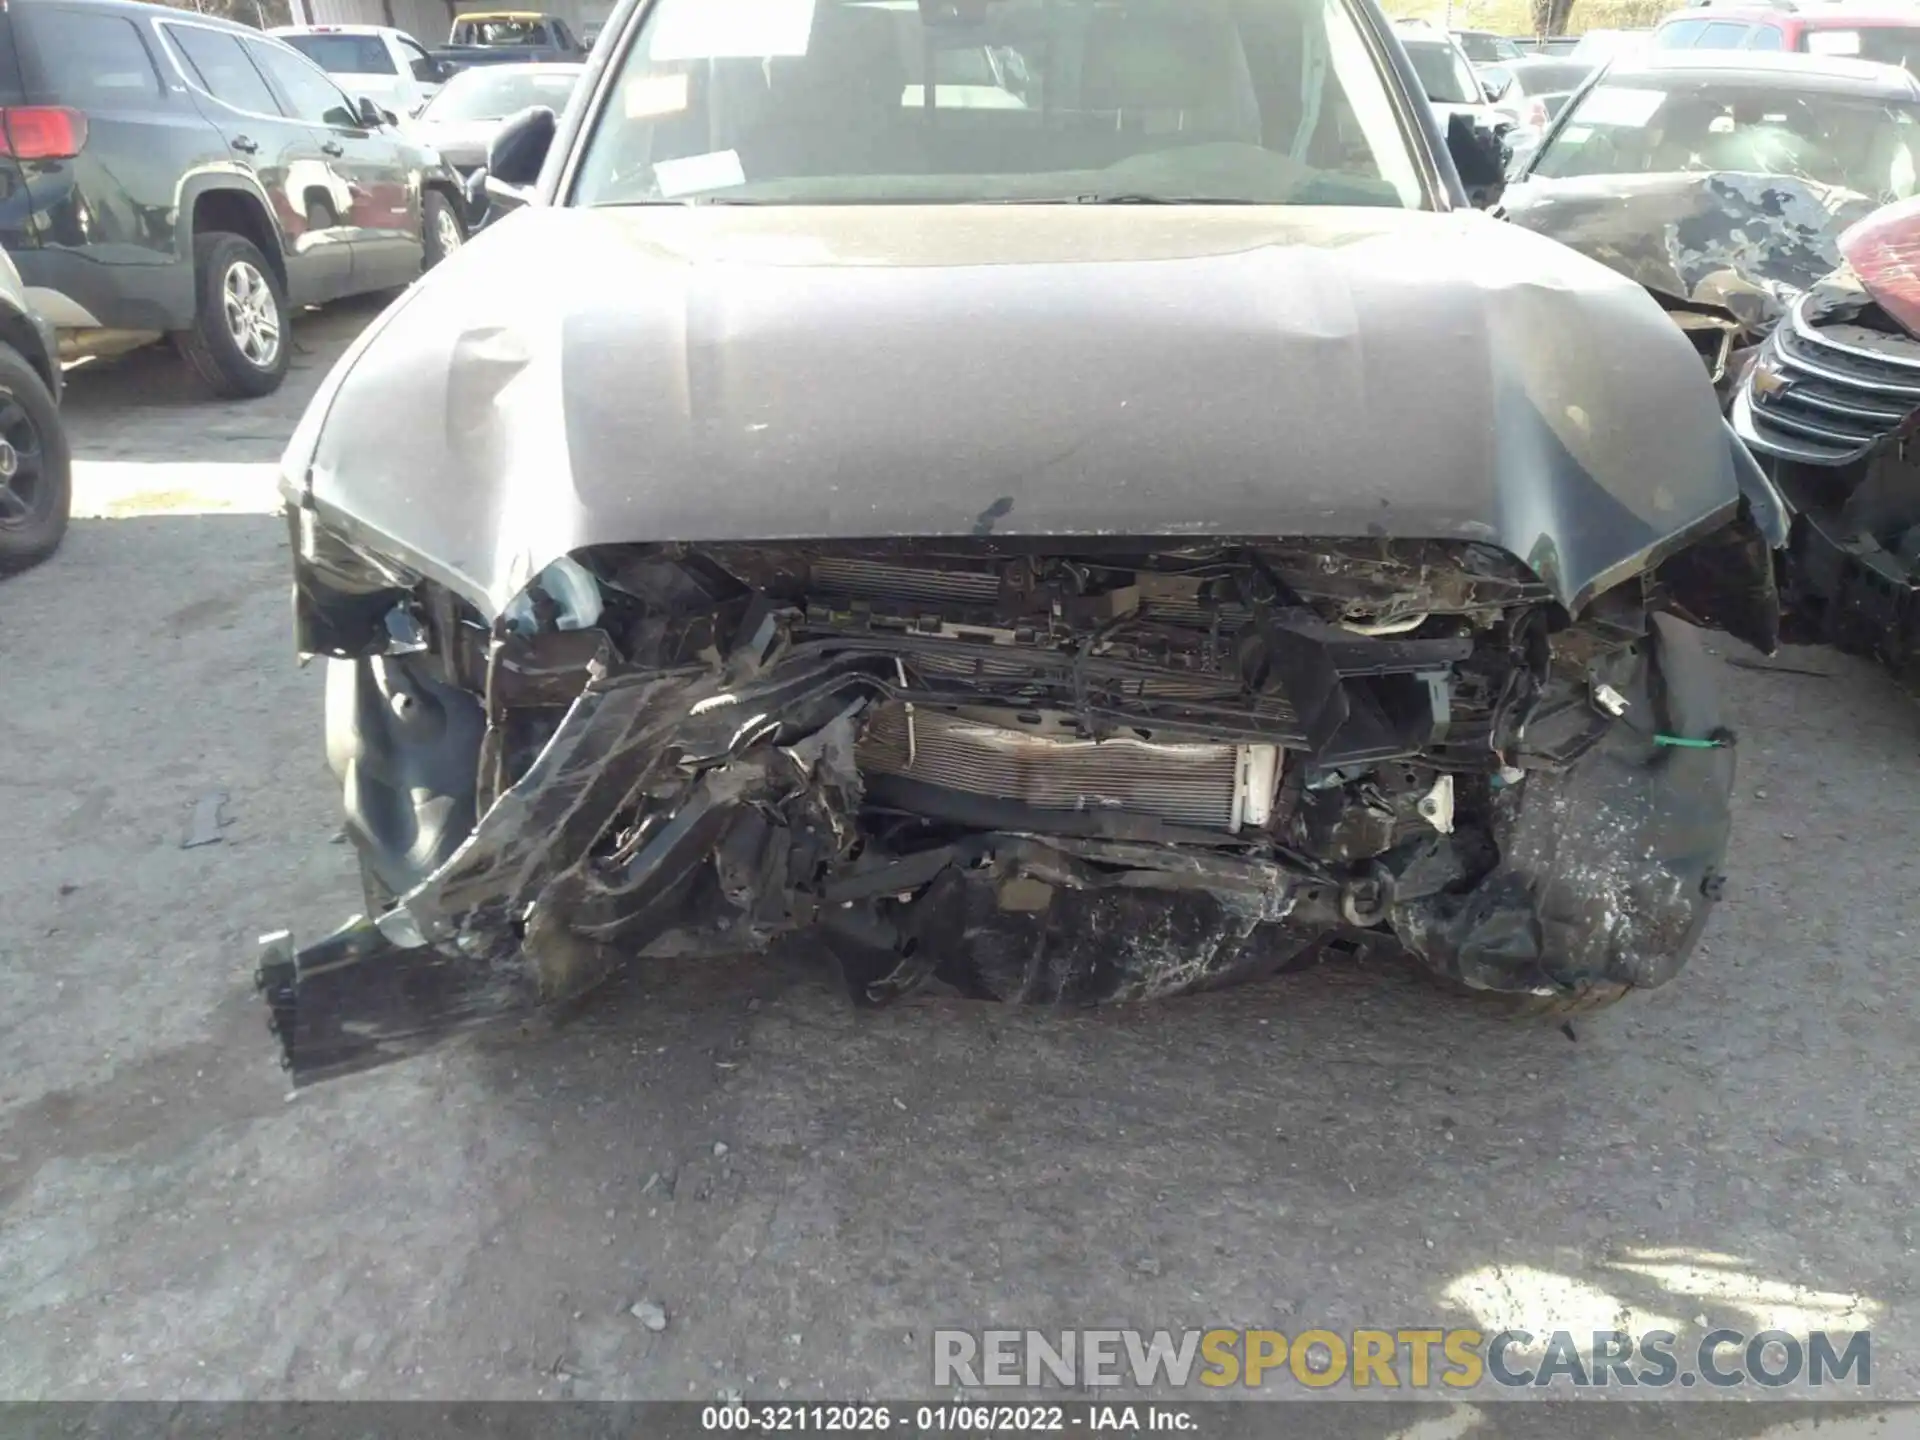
{"x": 1447, "y": 79}
{"x": 827, "y": 101}
{"x": 344, "y": 54}
{"x": 495, "y": 93}
{"x": 505, "y": 32}
{"x": 1886, "y": 44}
{"x": 1545, "y": 77}
{"x": 1853, "y": 142}
{"x": 1601, "y": 45}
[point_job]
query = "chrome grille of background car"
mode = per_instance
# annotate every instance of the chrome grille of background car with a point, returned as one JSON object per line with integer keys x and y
{"x": 1838, "y": 389}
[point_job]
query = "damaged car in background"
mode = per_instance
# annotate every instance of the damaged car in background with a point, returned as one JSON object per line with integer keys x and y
{"x": 1722, "y": 181}
{"x": 1829, "y": 406}
{"x": 1085, "y": 552}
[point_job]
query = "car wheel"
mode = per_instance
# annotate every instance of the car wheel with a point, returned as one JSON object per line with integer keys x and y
{"x": 36, "y": 477}
{"x": 442, "y": 231}
{"x": 239, "y": 343}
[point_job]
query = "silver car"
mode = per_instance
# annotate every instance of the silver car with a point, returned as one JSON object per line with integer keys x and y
{"x": 460, "y": 121}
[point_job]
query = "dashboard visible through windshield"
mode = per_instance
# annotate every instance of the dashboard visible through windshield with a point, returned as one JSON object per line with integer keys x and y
{"x": 891, "y": 101}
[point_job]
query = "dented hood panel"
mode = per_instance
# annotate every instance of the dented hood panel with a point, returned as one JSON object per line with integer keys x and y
{"x": 1745, "y": 244}
{"x": 578, "y": 377}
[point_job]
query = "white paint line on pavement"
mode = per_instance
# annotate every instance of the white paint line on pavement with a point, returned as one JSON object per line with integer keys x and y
{"x": 1451, "y": 1426}
{"x": 122, "y": 489}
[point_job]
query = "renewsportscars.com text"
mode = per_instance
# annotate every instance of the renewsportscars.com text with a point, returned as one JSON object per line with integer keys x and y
{"x": 1411, "y": 1359}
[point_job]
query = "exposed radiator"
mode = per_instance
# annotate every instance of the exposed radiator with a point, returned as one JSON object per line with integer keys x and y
{"x": 1215, "y": 787}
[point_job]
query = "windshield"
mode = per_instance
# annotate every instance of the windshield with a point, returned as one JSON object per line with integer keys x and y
{"x": 1885, "y": 44}
{"x": 505, "y": 32}
{"x": 494, "y": 94}
{"x": 1602, "y": 45}
{"x": 827, "y": 101}
{"x": 1545, "y": 77}
{"x": 1447, "y": 79}
{"x": 1484, "y": 49}
{"x": 1859, "y": 144}
{"x": 344, "y": 54}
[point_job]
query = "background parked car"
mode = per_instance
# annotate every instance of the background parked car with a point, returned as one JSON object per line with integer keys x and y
{"x": 1889, "y": 34}
{"x": 36, "y": 482}
{"x": 1531, "y": 91}
{"x": 184, "y": 176}
{"x": 1722, "y": 182}
{"x": 460, "y": 121}
{"x": 390, "y": 65}
{"x": 1446, "y": 75}
{"x": 1597, "y": 47}
{"x": 1483, "y": 47}
{"x": 508, "y": 37}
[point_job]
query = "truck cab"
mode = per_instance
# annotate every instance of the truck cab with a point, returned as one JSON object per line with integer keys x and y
{"x": 378, "y": 61}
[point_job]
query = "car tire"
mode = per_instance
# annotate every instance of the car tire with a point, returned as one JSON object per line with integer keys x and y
{"x": 36, "y": 467}
{"x": 238, "y": 300}
{"x": 442, "y": 230}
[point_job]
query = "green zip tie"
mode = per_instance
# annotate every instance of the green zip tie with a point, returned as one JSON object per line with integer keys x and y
{"x": 1681, "y": 742}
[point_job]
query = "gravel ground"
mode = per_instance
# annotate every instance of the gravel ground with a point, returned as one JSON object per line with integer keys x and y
{"x": 805, "y": 1191}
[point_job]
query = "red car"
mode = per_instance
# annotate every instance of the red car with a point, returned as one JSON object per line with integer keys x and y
{"x": 1888, "y": 35}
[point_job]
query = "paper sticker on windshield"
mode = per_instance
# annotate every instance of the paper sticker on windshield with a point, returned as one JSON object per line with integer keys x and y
{"x": 1621, "y": 105}
{"x": 731, "y": 29}
{"x": 648, "y": 96}
{"x": 698, "y": 173}
{"x": 1833, "y": 42}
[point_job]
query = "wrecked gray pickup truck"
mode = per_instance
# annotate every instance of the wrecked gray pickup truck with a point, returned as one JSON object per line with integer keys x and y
{"x": 1068, "y": 553}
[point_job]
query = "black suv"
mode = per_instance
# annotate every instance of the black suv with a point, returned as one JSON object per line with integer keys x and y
{"x": 165, "y": 173}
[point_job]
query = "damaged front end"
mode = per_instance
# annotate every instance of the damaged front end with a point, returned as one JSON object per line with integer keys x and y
{"x": 1725, "y": 253}
{"x": 1830, "y": 404}
{"x": 1065, "y": 771}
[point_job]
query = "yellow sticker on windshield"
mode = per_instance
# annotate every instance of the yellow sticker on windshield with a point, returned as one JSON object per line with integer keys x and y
{"x": 730, "y": 29}
{"x": 649, "y": 96}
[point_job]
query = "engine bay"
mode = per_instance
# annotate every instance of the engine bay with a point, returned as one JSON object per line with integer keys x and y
{"x": 1112, "y": 773}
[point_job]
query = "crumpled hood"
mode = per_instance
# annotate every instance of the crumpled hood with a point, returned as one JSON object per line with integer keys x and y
{"x": 1745, "y": 244}
{"x": 713, "y": 373}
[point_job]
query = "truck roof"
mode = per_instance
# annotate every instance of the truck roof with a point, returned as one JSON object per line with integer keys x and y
{"x": 501, "y": 15}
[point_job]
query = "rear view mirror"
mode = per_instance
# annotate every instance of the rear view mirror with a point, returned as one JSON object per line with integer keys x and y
{"x": 519, "y": 148}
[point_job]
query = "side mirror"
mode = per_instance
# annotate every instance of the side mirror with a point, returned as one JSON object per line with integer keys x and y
{"x": 1477, "y": 155}
{"x": 371, "y": 116}
{"x": 1492, "y": 89}
{"x": 519, "y": 148}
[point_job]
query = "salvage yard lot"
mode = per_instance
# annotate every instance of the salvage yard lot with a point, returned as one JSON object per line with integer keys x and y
{"x": 807, "y": 1191}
